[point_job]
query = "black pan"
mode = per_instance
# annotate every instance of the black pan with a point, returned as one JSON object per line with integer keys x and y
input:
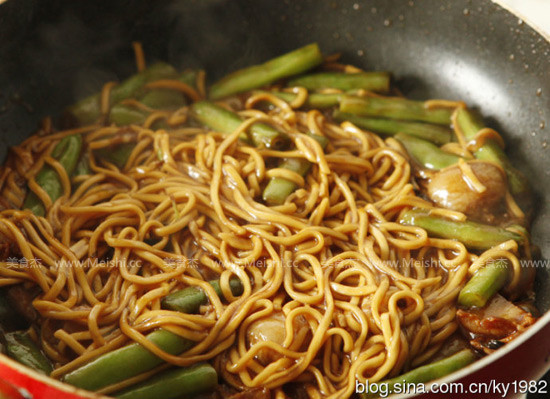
{"x": 54, "y": 52}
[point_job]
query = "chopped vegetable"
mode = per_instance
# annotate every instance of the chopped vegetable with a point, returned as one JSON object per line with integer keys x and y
{"x": 436, "y": 134}
{"x": 189, "y": 300}
{"x": 224, "y": 121}
{"x": 426, "y": 373}
{"x": 256, "y": 76}
{"x": 67, "y": 152}
{"x": 88, "y": 110}
{"x": 485, "y": 283}
{"x": 473, "y": 235}
{"x": 176, "y": 383}
{"x": 427, "y": 154}
{"x": 372, "y": 81}
{"x": 395, "y": 108}
{"x": 126, "y": 362}
{"x": 20, "y": 347}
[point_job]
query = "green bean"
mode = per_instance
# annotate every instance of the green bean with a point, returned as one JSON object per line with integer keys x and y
{"x": 470, "y": 124}
{"x": 253, "y": 77}
{"x": 189, "y": 300}
{"x": 225, "y": 121}
{"x": 88, "y": 110}
{"x": 117, "y": 155}
{"x": 123, "y": 115}
{"x": 134, "y": 359}
{"x": 485, "y": 283}
{"x": 436, "y": 134}
{"x": 372, "y": 81}
{"x": 20, "y": 347}
{"x": 472, "y": 234}
{"x": 189, "y": 77}
{"x": 426, "y": 153}
{"x": 395, "y": 108}
{"x": 67, "y": 153}
{"x": 314, "y": 100}
{"x": 422, "y": 374}
{"x": 83, "y": 166}
{"x": 278, "y": 188}
{"x": 126, "y": 362}
{"x": 172, "y": 384}
{"x": 165, "y": 99}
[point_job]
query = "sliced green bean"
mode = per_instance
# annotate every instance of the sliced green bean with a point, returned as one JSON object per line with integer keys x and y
{"x": 165, "y": 99}
{"x": 485, "y": 283}
{"x": 314, "y": 100}
{"x": 256, "y": 76}
{"x": 471, "y": 124}
{"x": 83, "y": 166}
{"x": 131, "y": 360}
{"x": 426, "y": 153}
{"x": 20, "y": 347}
{"x": 436, "y": 134}
{"x": 372, "y": 81}
{"x": 225, "y": 121}
{"x": 422, "y": 374}
{"x": 472, "y": 234}
{"x": 395, "y": 108}
{"x": 278, "y": 188}
{"x": 176, "y": 383}
{"x": 189, "y": 77}
{"x": 88, "y": 110}
{"x": 189, "y": 300}
{"x": 126, "y": 362}
{"x": 117, "y": 155}
{"x": 124, "y": 115}
{"x": 67, "y": 153}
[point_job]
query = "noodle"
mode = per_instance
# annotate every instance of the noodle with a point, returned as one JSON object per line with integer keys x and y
{"x": 353, "y": 286}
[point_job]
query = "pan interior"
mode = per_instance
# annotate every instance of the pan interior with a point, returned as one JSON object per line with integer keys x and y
{"x": 58, "y": 51}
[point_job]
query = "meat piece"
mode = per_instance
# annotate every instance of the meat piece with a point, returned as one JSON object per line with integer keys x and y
{"x": 450, "y": 188}
{"x": 499, "y": 322}
{"x": 20, "y": 297}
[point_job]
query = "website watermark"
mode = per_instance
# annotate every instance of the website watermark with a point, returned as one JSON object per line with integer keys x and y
{"x": 492, "y": 387}
{"x": 192, "y": 263}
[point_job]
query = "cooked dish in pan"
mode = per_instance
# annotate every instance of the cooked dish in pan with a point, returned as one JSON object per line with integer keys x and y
{"x": 286, "y": 232}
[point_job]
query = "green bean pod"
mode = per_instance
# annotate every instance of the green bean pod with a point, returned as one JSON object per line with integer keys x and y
{"x": 436, "y": 134}
{"x": 67, "y": 153}
{"x": 471, "y": 124}
{"x": 126, "y": 362}
{"x": 372, "y": 81}
{"x": 173, "y": 384}
{"x": 395, "y": 108}
{"x": 225, "y": 121}
{"x": 20, "y": 347}
{"x": 422, "y": 374}
{"x": 314, "y": 100}
{"x": 485, "y": 283}
{"x": 189, "y": 300}
{"x": 473, "y": 235}
{"x": 425, "y": 153}
{"x": 88, "y": 110}
{"x": 256, "y": 76}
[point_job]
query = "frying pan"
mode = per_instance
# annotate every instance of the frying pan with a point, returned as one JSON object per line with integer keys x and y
{"x": 54, "y": 52}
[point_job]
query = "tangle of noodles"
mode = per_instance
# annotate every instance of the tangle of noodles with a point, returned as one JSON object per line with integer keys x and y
{"x": 361, "y": 296}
